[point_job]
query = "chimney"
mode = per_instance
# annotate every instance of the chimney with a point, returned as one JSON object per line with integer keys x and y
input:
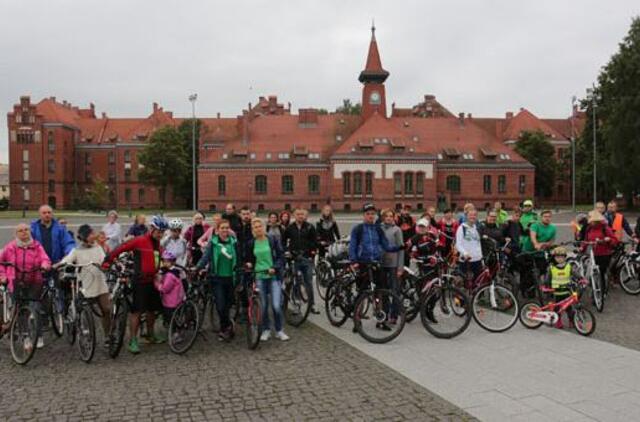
{"x": 429, "y": 97}
{"x": 53, "y": 99}
{"x": 469, "y": 116}
{"x": 170, "y": 114}
{"x": 155, "y": 107}
{"x": 461, "y": 118}
{"x": 64, "y": 103}
{"x": 289, "y": 106}
{"x": 104, "y": 115}
{"x": 92, "y": 107}
{"x": 509, "y": 115}
{"x": 393, "y": 106}
{"x": 307, "y": 116}
{"x": 217, "y": 115}
{"x": 245, "y": 127}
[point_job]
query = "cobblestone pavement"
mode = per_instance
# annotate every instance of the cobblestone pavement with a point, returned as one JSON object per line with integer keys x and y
{"x": 314, "y": 376}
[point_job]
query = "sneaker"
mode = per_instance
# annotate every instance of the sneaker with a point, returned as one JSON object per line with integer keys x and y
{"x": 40, "y": 343}
{"x": 280, "y": 335}
{"x": 266, "y": 335}
{"x": 133, "y": 346}
{"x": 315, "y": 311}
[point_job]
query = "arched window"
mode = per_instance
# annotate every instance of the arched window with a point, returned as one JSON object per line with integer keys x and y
{"x": 408, "y": 183}
{"x": 453, "y": 184}
{"x": 397, "y": 183}
{"x": 357, "y": 183}
{"x": 368, "y": 183}
{"x": 261, "y": 184}
{"x": 420, "y": 183}
{"x": 222, "y": 185}
{"x": 346, "y": 183}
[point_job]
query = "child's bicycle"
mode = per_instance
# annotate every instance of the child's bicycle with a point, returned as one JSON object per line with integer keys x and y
{"x": 533, "y": 314}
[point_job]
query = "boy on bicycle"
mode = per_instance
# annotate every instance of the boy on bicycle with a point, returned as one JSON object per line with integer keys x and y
{"x": 560, "y": 274}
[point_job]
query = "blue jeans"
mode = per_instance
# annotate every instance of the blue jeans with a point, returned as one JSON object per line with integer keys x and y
{"x": 304, "y": 265}
{"x": 391, "y": 276}
{"x": 271, "y": 287}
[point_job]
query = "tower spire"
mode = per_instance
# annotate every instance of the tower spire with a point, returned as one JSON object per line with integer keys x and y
{"x": 373, "y": 77}
{"x": 373, "y": 71}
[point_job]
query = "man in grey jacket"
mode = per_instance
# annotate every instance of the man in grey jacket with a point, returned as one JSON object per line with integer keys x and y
{"x": 392, "y": 262}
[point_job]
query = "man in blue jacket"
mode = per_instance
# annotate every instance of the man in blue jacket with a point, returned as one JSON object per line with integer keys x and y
{"x": 55, "y": 239}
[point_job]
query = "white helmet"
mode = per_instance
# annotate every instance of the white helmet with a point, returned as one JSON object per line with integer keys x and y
{"x": 175, "y": 224}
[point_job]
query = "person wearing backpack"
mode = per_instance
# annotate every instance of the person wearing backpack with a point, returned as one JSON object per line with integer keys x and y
{"x": 599, "y": 231}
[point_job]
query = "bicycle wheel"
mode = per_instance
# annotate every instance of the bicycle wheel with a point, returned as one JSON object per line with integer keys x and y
{"x": 254, "y": 322}
{"x": 56, "y": 311}
{"x": 86, "y": 333}
{"x": 596, "y": 289}
{"x": 183, "y": 328}
{"x": 5, "y": 313}
{"x": 118, "y": 327}
{"x": 296, "y": 302}
{"x": 445, "y": 312}
{"x": 70, "y": 330}
{"x": 323, "y": 275}
{"x": 410, "y": 299}
{"x": 526, "y": 310}
{"x": 335, "y": 304}
{"x": 584, "y": 321}
{"x": 24, "y": 335}
{"x": 630, "y": 277}
{"x": 379, "y": 316}
{"x": 495, "y": 308}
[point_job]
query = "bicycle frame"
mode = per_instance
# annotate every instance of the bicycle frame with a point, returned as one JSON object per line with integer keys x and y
{"x": 551, "y": 312}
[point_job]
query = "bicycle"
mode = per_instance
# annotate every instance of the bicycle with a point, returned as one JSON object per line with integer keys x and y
{"x": 79, "y": 323}
{"x": 24, "y": 319}
{"x": 324, "y": 265}
{"x": 121, "y": 273}
{"x": 379, "y": 315}
{"x": 186, "y": 321}
{"x": 444, "y": 308}
{"x": 629, "y": 270}
{"x": 296, "y": 302}
{"x": 341, "y": 295}
{"x": 592, "y": 274}
{"x": 533, "y": 314}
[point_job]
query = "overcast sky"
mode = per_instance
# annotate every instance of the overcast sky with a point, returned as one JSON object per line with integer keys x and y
{"x": 483, "y": 57}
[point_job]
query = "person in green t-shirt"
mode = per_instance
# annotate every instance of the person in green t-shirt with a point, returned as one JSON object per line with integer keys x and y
{"x": 528, "y": 217}
{"x": 542, "y": 235}
{"x": 222, "y": 258}
{"x": 265, "y": 256}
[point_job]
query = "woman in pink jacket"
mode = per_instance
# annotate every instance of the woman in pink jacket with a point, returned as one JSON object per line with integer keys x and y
{"x": 26, "y": 256}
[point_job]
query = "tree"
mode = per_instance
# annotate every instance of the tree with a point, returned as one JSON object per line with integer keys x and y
{"x": 95, "y": 198}
{"x": 348, "y": 107}
{"x": 185, "y": 188}
{"x": 617, "y": 103}
{"x": 165, "y": 161}
{"x": 536, "y": 149}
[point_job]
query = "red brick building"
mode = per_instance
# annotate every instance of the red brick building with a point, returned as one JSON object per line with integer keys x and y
{"x": 269, "y": 158}
{"x": 272, "y": 159}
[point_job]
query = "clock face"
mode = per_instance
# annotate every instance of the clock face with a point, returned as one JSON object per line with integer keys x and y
{"x": 375, "y": 97}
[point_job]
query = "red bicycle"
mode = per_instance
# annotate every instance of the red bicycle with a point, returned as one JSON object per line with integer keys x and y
{"x": 533, "y": 314}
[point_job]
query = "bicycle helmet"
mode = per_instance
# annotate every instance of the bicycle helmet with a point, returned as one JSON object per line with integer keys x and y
{"x": 84, "y": 231}
{"x": 423, "y": 222}
{"x": 158, "y": 223}
{"x": 559, "y": 251}
{"x": 175, "y": 224}
{"x": 168, "y": 256}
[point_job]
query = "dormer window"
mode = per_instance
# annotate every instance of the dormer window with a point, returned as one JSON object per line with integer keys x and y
{"x": 452, "y": 153}
{"x": 489, "y": 154}
{"x": 225, "y": 156}
{"x": 240, "y": 153}
{"x": 283, "y": 156}
{"x": 267, "y": 156}
{"x": 440, "y": 157}
{"x": 338, "y": 138}
{"x": 252, "y": 156}
{"x": 314, "y": 156}
{"x": 366, "y": 145}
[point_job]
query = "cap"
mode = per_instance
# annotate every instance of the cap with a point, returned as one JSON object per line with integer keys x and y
{"x": 527, "y": 203}
{"x": 368, "y": 207}
{"x": 423, "y": 222}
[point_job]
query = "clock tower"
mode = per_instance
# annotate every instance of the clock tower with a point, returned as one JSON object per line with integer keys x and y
{"x": 373, "y": 77}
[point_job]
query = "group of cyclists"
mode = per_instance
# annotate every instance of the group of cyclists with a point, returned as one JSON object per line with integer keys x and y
{"x": 237, "y": 248}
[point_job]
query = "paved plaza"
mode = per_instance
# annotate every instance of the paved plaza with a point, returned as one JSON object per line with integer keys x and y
{"x": 328, "y": 373}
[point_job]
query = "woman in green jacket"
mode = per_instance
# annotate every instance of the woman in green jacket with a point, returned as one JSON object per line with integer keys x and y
{"x": 221, "y": 256}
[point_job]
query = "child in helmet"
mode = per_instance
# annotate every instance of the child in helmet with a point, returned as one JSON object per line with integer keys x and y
{"x": 560, "y": 274}
{"x": 169, "y": 285}
{"x": 94, "y": 281}
{"x": 175, "y": 243}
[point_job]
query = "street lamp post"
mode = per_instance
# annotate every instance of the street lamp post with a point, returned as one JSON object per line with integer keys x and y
{"x": 193, "y": 98}
{"x": 591, "y": 93}
{"x": 573, "y": 155}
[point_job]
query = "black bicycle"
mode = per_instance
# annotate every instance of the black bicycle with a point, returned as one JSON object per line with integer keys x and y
{"x": 79, "y": 322}
{"x": 296, "y": 302}
{"x": 120, "y": 275}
